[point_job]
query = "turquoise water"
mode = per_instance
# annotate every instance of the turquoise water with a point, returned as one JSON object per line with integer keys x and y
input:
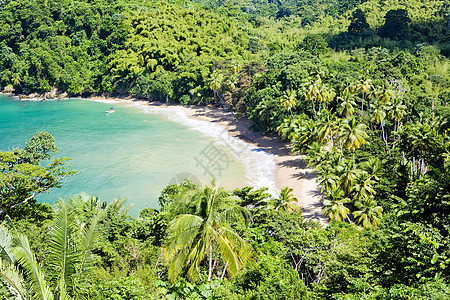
{"x": 128, "y": 153}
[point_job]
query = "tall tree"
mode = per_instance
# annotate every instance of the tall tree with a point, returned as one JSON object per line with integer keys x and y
{"x": 22, "y": 177}
{"x": 193, "y": 236}
{"x": 289, "y": 100}
{"x": 333, "y": 206}
{"x": 369, "y": 214}
{"x": 286, "y": 201}
{"x": 353, "y": 134}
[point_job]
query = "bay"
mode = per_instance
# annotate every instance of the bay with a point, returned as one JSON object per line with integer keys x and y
{"x": 128, "y": 153}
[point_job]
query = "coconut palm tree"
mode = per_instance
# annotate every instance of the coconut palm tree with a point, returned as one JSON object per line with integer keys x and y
{"x": 327, "y": 178}
{"x": 346, "y": 107}
{"x": 289, "y": 128}
{"x": 353, "y": 134}
{"x": 363, "y": 186}
{"x": 289, "y": 100}
{"x": 369, "y": 214}
{"x": 378, "y": 116}
{"x": 215, "y": 82}
{"x": 347, "y": 176}
{"x": 373, "y": 167}
{"x": 286, "y": 201}
{"x": 328, "y": 126}
{"x": 364, "y": 87}
{"x": 333, "y": 206}
{"x": 192, "y": 236}
{"x": 396, "y": 111}
{"x": 306, "y": 135}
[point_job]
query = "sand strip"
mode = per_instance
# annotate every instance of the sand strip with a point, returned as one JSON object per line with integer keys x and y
{"x": 291, "y": 170}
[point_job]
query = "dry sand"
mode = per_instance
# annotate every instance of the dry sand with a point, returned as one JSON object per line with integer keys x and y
{"x": 291, "y": 170}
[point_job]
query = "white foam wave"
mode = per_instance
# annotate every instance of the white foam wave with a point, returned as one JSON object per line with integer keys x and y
{"x": 259, "y": 165}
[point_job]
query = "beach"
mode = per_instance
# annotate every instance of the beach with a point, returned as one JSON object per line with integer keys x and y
{"x": 290, "y": 170}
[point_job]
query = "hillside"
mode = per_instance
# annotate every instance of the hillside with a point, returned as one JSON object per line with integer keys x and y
{"x": 359, "y": 89}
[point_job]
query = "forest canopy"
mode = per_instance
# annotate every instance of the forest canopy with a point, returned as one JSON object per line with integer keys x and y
{"x": 361, "y": 89}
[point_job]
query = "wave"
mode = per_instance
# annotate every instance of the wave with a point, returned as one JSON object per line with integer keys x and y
{"x": 258, "y": 164}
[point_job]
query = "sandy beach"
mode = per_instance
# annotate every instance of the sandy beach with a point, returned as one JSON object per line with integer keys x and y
{"x": 291, "y": 170}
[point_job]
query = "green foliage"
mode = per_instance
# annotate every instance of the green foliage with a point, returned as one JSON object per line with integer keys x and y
{"x": 267, "y": 277}
{"x": 313, "y": 43}
{"x": 191, "y": 236}
{"x": 22, "y": 177}
{"x": 396, "y": 24}
{"x": 128, "y": 288}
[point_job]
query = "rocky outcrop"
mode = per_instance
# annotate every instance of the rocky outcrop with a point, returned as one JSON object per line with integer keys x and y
{"x": 53, "y": 94}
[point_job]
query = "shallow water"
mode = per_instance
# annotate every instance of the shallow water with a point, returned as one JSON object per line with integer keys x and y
{"x": 134, "y": 152}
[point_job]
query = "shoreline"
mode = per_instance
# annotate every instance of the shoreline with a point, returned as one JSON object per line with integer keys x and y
{"x": 290, "y": 170}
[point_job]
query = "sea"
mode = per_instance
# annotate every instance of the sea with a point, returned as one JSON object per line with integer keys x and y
{"x": 134, "y": 152}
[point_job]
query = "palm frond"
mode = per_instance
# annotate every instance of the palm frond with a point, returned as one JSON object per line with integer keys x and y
{"x": 13, "y": 280}
{"x": 6, "y": 245}
{"x": 234, "y": 249}
{"x": 33, "y": 272}
{"x": 233, "y": 215}
{"x": 118, "y": 208}
{"x": 62, "y": 253}
{"x": 90, "y": 238}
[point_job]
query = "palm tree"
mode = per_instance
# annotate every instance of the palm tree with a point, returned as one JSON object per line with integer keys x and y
{"x": 363, "y": 186}
{"x": 353, "y": 134}
{"x": 327, "y": 177}
{"x": 369, "y": 214}
{"x": 396, "y": 111}
{"x": 333, "y": 206}
{"x": 317, "y": 91}
{"x": 378, "y": 116}
{"x": 346, "y": 107}
{"x": 192, "y": 236}
{"x": 347, "y": 176}
{"x": 373, "y": 167}
{"x": 289, "y": 128}
{"x": 306, "y": 134}
{"x": 216, "y": 81}
{"x": 364, "y": 87}
{"x": 315, "y": 154}
{"x": 286, "y": 201}
{"x": 15, "y": 79}
{"x": 289, "y": 100}
{"x": 328, "y": 126}
{"x": 70, "y": 258}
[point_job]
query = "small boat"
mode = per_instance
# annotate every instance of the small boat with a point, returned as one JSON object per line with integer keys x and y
{"x": 110, "y": 110}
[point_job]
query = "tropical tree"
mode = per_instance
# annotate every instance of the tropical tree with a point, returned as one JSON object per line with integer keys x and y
{"x": 364, "y": 87}
{"x": 378, "y": 116}
{"x": 289, "y": 128}
{"x": 327, "y": 177}
{"x": 348, "y": 173}
{"x": 353, "y": 134}
{"x": 346, "y": 107}
{"x": 329, "y": 125}
{"x": 192, "y": 236}
{"x": 289, "y": 100}
{"x": 396, "y": 111}
{"x": 22, "y": 177}
{"x": 215, "y": 82}
{"x": 363, "y": 186}
{"x": 369, "y": 214}
{"x": 307, "y": 134}
{"x": 333, "y": 206}
{"x": 286, "y": 201}
{"x": 69, "y": 256}
{"x": 373, "y": 167}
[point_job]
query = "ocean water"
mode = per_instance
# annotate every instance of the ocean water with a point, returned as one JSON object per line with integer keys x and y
{"x": 135, "y": 152}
